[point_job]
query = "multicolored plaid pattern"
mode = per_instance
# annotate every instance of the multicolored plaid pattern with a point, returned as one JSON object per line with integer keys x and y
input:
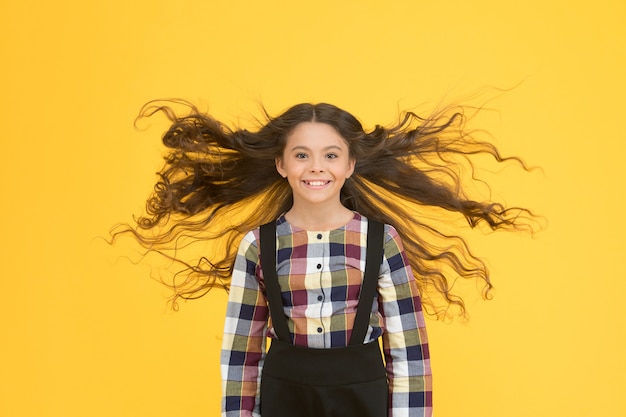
{"x": 320, "y": 276}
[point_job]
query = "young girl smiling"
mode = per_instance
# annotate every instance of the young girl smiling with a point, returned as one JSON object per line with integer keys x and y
{"x": 335, "y": 253}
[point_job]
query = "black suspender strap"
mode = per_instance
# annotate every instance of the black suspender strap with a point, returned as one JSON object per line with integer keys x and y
{"x": 375, "y": 249}
{"x": 272, "y": 289}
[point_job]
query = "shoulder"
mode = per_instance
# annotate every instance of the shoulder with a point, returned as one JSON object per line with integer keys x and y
{"x": 251, "y": 237}
{"x": 393, "y": 246}
{"x": 390, "y": 232}
{"x": 393, "y": 249}
{"x": 249, "y": 244}
{"x": 251, "y": 240}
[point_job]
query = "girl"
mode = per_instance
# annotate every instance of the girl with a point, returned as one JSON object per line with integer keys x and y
{"x": 345, "y": 255}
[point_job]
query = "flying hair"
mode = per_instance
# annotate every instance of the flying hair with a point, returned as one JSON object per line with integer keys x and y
{"x": 219, "y": 182}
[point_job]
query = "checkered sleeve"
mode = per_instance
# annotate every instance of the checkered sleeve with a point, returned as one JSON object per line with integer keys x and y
{"x": 243, "y": 346}
{"x": 405, "y": 343}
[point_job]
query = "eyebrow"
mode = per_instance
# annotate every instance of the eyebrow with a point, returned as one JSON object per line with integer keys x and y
{"x": 307, "y": 149}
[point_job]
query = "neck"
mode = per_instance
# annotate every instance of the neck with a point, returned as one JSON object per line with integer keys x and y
{"x": 319, "y": 217}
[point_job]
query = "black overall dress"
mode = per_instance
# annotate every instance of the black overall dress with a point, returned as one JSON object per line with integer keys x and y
{"x": 346, "y": 381}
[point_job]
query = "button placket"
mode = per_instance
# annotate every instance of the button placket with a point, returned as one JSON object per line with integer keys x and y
{"x": 319, "y": 267}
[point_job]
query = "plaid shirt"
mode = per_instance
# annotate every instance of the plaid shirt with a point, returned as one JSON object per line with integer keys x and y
{"x": 320, "y": 275}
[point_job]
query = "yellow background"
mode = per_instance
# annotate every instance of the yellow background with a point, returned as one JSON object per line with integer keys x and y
{"x": 87, "y": 333}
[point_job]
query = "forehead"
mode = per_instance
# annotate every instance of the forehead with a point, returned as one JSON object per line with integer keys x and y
{"x": 314, "y": 135}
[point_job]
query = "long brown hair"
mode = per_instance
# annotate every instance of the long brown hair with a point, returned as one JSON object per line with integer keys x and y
{"x": 213, "y": 173}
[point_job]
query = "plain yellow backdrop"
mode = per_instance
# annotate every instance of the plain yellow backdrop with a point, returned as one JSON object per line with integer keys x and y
{"x": 85, "y": 332}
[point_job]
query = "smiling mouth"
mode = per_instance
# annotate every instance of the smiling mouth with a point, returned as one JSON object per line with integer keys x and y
{"x": 318, "y": 183}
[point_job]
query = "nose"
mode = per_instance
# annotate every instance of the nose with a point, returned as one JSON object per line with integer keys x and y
{"x": 317, "y": 164}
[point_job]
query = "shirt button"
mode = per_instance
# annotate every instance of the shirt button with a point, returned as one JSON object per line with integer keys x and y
{"x": 319, "y": 266}
{"x": 319, "y": 330}
{"x": 319, "y": 235}
{"x": 320, "y": 298}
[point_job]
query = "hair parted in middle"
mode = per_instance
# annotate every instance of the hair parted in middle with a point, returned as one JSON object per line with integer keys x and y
{"x": 214, "y": 173}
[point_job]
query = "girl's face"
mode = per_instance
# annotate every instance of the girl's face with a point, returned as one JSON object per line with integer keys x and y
{"x": 316, "y": 162}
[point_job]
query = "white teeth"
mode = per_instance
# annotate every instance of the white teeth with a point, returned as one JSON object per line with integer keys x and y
{"x": 316, "y": 183}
